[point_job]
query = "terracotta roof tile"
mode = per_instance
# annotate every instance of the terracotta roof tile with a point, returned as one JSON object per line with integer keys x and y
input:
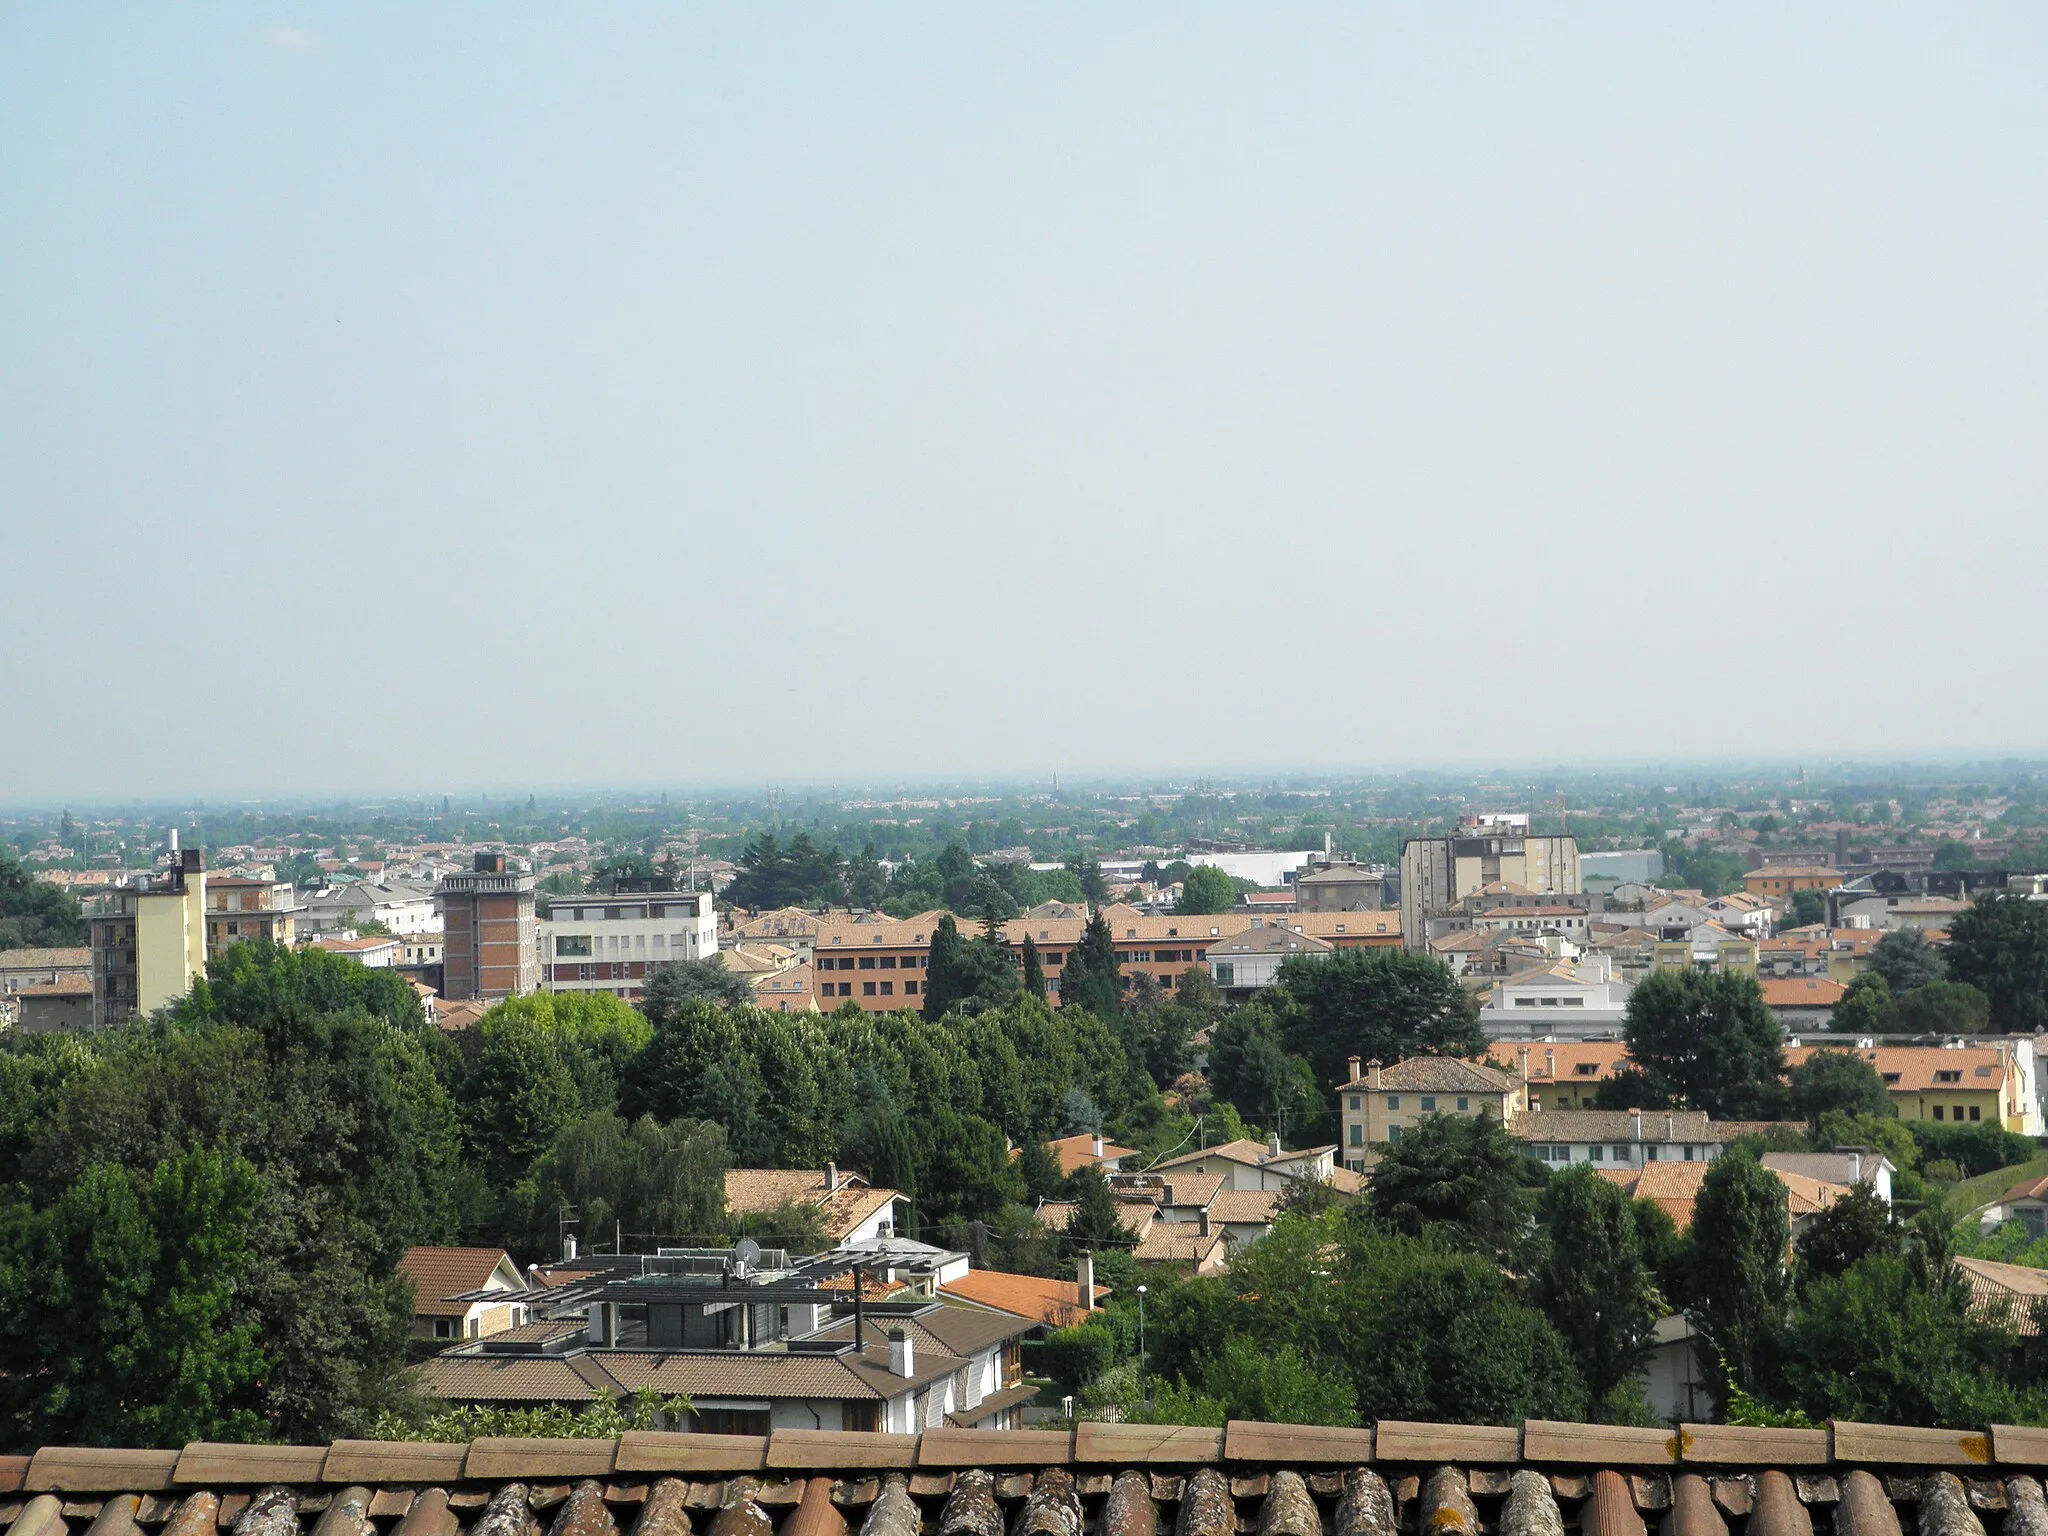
{"x": 1054, "y": 1303}
{"x": 438, "y": 1273}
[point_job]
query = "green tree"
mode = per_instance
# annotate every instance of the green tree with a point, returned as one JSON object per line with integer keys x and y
{"x": 1092, "y": 979}
{"x": 1034, "y": 970}
{"x": 1250, "y": 1069}
{"x": 1804, "y": 909}
{"x": 1462, "y": 1175}
{"x": 1906, "y": 960}
{"x": 641, "y": 1180}
{"x": 1242, "y": 1380}
{"x": 1942, "y": 1008}
{"x": 675, "y": 982}
{"x": 1865, "y": 1008}
{"x": 1739, "y": 1287}
{"x": 965, "y": 1171}
{"x": 1592, "y": 1281}
{"x": 1838, "y": 1082}
{"x": 1954, "y": 854}
{"x": 1087, "y": 871}
{"x": 33, "y": 913}
{"x": 121, "y": 1315}
{"x": 1999, "y": 945}
{"x": 1856, "y": 1226}
{"x": 1708, "y": 1039}
{"x": 1039, "y": 1167}
{"x": 947, "y": 977}
{"x": 1206, "y": 889}
{"x": 1376, "y": 1004}
{"x": 519, "y": 1096}
{"x": 1097, "y": 1220}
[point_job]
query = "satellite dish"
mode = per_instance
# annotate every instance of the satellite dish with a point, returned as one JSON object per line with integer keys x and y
{"x": 746, "y": 1250}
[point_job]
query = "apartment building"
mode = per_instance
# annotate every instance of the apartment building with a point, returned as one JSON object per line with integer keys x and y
{"x": 1438, "y": 874}
{"x": 149, "y": 941}
{"x": 879, "y": 963}
{"x": 1778, "y": 882}
{"x": 490, "y": 936}
{"x": 245, "y": 911}
{"x": 1378, "y": 1103}
{"x": 605, "y": 943}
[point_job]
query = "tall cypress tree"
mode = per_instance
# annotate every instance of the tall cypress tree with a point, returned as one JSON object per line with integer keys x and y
{"x": 1091, "y": 979}
{"x": 1739, "y": 1237}
{"x": 1034, "y": 969}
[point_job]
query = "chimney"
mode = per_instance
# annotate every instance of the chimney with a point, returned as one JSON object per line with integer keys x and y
{"x": 1522, "y": 1057}
{"x": 1273, "y": 1144}
{"x": 1202, "y": 1220}
{"x": 1550, "y": 1065}
{"x": 1353, "y": 1063}
{"x": 1373, "y": 1067}
{"x": 1855, "y": 1168}
{"x": 1084, "y": 1279}
{"x": 831, "y": 1178}
{"x": 1670, "y": 1129}
{"x": 568, "y": 1246}
{"x": 1635, "y": 1125}
{"x": 902, "y": 1354}
{"x": 1095, "y": 1145}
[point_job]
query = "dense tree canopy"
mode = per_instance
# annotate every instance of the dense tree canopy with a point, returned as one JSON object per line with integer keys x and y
{"x": 1375, "y": 1004}
{"x": 2000, "y": 946}
{"x": 33, "y": 913}
{"x": 1206, "y": 889}
{"x": 1706, "y": 1039}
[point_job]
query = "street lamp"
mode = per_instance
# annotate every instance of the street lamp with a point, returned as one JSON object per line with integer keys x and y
{"x": 1141, "y": 1343}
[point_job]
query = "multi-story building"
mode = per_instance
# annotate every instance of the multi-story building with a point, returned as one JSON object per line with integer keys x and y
{"x": 1377, "y": 1104}
{"x": 244, "y": 911}
{"x": 1566, "y": 1000}
{"x": 149, "y": 941}
{"x": 864, "y": 960}
{"x": 490, "y": 936}
{"x": 606, "y": 943}
{"x": 1779, "y": 881}
{"x": 1341, "y": 888}
{"x": 1439, "y": 873}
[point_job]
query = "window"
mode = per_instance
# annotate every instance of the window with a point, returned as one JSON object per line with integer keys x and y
{"x": 1429, "y": 1103}
{"x": 1226, "y": 974}
{"x": 1596, "y": 1154}
{"x": 867, "y": 963}
{"x": 1393, "y": 1101}
{"x": 1357, "y": 1102}
{"x": 572, "y": 944}
{"x": 1948, "y": 1077}
{"x": 1976, "y": 1113}
{"x": 1938, "y": 1112}
{"x": 910, "y": 989}
{"x": 1393, "y": 1133}
{"x": 444, "y": 1327}
{"x": 1621, "y": 1154}
{"x": 888, "y": 989}
{"x": 867, "y": 989}
{"x": 1464, "y": 1104}
{"x": 888, "y": 962}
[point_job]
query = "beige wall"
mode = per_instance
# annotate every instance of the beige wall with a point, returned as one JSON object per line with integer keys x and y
{"x": 170, "y": 943}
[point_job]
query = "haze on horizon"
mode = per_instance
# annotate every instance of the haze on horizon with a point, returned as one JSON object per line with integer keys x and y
{"x": 643, "y": 394}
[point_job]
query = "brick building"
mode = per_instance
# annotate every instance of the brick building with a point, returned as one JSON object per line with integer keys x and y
{"x": 491, "y": 938}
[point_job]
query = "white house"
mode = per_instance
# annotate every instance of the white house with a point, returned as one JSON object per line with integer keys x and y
{"x": 1571, "y": 1000}
{"x": 1623, "y": 1138}
{"x": 1251, "y": 959}
{"x": 1846, "y": 1166}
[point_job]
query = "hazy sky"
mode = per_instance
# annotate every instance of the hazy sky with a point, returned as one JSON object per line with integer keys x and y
{"x": 403, "y": 396}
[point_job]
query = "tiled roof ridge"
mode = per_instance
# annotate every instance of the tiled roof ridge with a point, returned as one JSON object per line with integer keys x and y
{"x": 1840, "y": 1446}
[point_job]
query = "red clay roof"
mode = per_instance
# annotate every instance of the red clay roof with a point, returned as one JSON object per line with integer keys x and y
{"x": 1055, "y": 1303}
{"x": 437, "y": 1273}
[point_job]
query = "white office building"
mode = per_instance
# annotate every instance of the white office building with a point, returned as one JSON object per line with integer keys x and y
{"x": 605, "y": 943}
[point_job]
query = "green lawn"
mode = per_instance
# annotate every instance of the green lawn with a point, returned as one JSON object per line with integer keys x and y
{"x": 1974, "y": 1194}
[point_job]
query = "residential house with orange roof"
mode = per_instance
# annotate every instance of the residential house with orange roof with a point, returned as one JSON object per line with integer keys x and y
{"x": 1378, "y": 1103}
{"x": 1971, "y": 1084}
{"x": 1048, "y": 1304}
{"x": 1801, "y": 1002}
{"x": 1561, "y": 1074}
{"x": 442, "y": 1277}
{"x": 1088, "y": 1151}
{"x": 853, "y": 1212}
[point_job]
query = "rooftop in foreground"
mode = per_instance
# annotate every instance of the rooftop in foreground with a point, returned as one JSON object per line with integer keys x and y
{"x": 1111, "y": 1479}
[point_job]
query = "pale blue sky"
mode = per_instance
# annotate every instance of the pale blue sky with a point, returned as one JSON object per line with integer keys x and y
{"x": 402, "y": 396}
